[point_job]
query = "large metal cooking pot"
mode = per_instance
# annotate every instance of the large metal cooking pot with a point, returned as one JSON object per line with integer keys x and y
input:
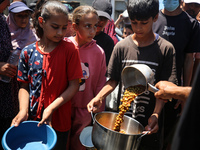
{"x": 104, "y": 138}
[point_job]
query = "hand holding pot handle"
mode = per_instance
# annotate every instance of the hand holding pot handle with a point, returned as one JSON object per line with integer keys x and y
{"x": 94, "y": 105}
{"x": 152, "y": 126}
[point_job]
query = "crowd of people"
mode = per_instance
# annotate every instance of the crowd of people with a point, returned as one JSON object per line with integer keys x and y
{"x": 71, "y": 63}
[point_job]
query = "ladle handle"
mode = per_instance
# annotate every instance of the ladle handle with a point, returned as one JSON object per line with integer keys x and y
{"x": 152, "y": 88}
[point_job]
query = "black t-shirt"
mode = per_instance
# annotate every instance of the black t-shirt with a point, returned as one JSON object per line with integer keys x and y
{"x": 107, "y": 43}
{"x": 183, "y": 32}
{"x": 187, "y": 132}
{"x": 160, "y": 57}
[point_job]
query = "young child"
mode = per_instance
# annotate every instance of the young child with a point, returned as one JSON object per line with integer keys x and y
{"x": 142, "y": 47}
{"x": 93, "y": 63}
{"x": 104, "y": 11}
{"x": 49, "y": 72}
{"x": 127, "y": 30}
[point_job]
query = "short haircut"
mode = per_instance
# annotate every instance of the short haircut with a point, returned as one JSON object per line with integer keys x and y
{"x": 142, "y": 9}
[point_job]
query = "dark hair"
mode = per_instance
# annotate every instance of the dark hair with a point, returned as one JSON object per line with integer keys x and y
{"x": 142, "y": 9}
{"x": 128, "y": 26}
{"x": 46, "y": 10}
{"x": 80, "y": 11}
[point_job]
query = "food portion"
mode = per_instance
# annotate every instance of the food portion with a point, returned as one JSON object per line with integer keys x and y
{"x": 129, "y": 95}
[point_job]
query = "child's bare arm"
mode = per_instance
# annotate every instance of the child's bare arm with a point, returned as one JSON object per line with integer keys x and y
{"x": 59, "y": 101}
{"x": 96, "y": 102}
{"x": 23, "y": 105}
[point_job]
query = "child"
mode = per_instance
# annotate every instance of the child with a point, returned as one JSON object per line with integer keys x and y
{"x": 93, "y": 64}
{"x": 49, "y": 72}
{"x": 142, "y": 47}
{"x": 104, "y": 11}
{"x": 127, "y": 30}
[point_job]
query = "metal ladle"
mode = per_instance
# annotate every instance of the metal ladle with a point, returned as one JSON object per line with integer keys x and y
{"x": 139, "y": 74}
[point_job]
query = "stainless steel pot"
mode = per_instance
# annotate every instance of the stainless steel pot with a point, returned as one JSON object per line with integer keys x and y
{"x": 104, "y": 138}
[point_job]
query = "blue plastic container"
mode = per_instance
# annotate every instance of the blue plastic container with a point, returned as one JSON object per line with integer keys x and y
{"x": 27, "y": 136}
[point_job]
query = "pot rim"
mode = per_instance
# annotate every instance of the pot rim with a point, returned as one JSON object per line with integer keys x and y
{"x": 116, "y": 131}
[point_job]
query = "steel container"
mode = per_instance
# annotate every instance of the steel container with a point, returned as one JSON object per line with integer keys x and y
{"x": 105, "y": 138}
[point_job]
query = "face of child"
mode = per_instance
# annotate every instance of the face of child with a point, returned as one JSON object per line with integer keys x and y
{"x": 55, "y": 27}
{"x": 142, "y": 29}
{"x": 3, "y": 5}
{"x": 127, "y": 32}
{"x": 86, "y": 29}
{"x": 101, "y": 24}
{"x": 22, "y": 18}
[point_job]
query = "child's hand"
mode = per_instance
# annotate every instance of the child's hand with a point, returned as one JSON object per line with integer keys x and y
{"x": 94, "y": 105}
{"x": 21, "y": 116}
{"x": 152, "y": 126}
{"x": 46, "y": 117}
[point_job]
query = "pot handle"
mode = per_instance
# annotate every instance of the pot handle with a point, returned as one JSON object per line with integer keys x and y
{"x": 139, "y": 139}
{"x": 92, "y": 117}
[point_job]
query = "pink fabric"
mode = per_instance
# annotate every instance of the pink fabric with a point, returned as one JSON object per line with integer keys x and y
{"x": 93, "y": 65}
{"x": 20, "y": 37}
{"x": 80, "y": 119}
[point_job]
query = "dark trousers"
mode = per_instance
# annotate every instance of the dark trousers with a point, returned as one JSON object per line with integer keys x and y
{"x": 4, "y": 125}
{"x": 62, "y": 138}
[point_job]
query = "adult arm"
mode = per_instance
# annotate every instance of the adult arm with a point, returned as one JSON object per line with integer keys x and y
{"x": 96, "y": 102}
{"x": 7, "y": 69}
{"x": 169, "y": 90}
{"x": 23, "y": 105}
{"x": 59, "y": 101}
